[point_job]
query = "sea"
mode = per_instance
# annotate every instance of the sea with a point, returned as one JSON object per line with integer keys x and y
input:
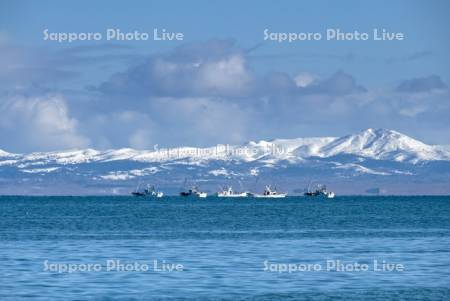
{"x": 298, "y": 248}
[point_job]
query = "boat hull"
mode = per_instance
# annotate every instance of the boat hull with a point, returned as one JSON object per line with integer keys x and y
{"x": 329, "y": 195}
{"x": 201, "y": 195}
{"x": 148, "y": 195}
{"x": 271, "y": 196}
{"x": 235, "y": 195}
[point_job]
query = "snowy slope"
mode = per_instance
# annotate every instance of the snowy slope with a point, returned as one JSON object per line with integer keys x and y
{"x": 369, "y": 156}
{"x": 383, "y": 144}
{"x": 378, "y": 144}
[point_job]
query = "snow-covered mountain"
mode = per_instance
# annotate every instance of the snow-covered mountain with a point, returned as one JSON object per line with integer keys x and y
{"x": 377, "y": 158}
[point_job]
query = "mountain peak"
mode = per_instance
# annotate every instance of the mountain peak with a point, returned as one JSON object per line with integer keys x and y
{"x": 378, "y": 144}
{"x": 366, "y": 155}
{"x": 4, "y": 154}
{"x": 381, "y": 144}
{"x": 380, "y": 132}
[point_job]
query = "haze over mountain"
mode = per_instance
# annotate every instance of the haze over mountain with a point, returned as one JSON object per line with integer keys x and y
{"x": 371, "y": 161}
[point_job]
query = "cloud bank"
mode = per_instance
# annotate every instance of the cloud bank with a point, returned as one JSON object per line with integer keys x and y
{"x": 197, "y": 94}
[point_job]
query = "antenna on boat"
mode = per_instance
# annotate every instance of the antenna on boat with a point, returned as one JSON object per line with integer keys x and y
{"x": 184, "y": 184}
{"x": 240, "y": 185}
{"x": 309, "y": 185}
{"x": 137, "y": 187}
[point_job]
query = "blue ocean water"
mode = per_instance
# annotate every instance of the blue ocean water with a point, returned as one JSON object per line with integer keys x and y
{"x": 246, "y": 249}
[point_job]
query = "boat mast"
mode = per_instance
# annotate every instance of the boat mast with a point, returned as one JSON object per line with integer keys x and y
{"x": 137, "y": 187}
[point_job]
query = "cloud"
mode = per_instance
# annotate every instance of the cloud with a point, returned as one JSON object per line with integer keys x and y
{"x": 169, "y": 121}
{"x": 304, "y": 79}
{"x": 21, "y": 69}
{"x": 216, "y": 68}
{"x": 43, "y": 123}
{"x": 25, "y": 68}
{"x": 422, "y": 84}
{"x": 198, "y": 94}
{"x": 340, "y": 83}
{"x": 277, "y": 83}
{"x": 202, "y": 121}
{"x": 206, "y": 93}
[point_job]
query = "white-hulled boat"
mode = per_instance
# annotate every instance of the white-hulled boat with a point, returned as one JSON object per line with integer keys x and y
{"x": 270, "y": 192}
{"x": 229, "y": 193}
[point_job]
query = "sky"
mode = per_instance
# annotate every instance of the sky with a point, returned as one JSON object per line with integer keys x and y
{"x": 223, "y": 83}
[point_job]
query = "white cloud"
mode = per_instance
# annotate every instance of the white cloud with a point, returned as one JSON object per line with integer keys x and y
{"x": 40, "y": 123}
{"x": 141, "y": 139}
{"x": 199, "y": 121}
{"x": 210, "y": 69}
{"x": 227, "y": 76}
{"x": 304, "y": 79}
{"x": 198, "y": 94}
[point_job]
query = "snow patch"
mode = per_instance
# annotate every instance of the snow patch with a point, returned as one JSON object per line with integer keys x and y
{"x": 219, "y": 172}
{"x": 361, "y": 169}
{"x": 41, "y": 170}
{"x": 254, "y": 171}
{"x": 131, "y": 174}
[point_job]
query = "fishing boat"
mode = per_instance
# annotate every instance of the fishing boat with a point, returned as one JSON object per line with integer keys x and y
{"x": 320, "y": 191}
{"x": 270, "y": 192}
{"x": 227, "y": 192}
{"x": 194, "y": 192}
{"x": 149, "y": 191}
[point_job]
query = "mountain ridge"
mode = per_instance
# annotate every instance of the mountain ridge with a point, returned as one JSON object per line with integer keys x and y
{"x": 370, "y": 143}
{"x": 352, "y": 163}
